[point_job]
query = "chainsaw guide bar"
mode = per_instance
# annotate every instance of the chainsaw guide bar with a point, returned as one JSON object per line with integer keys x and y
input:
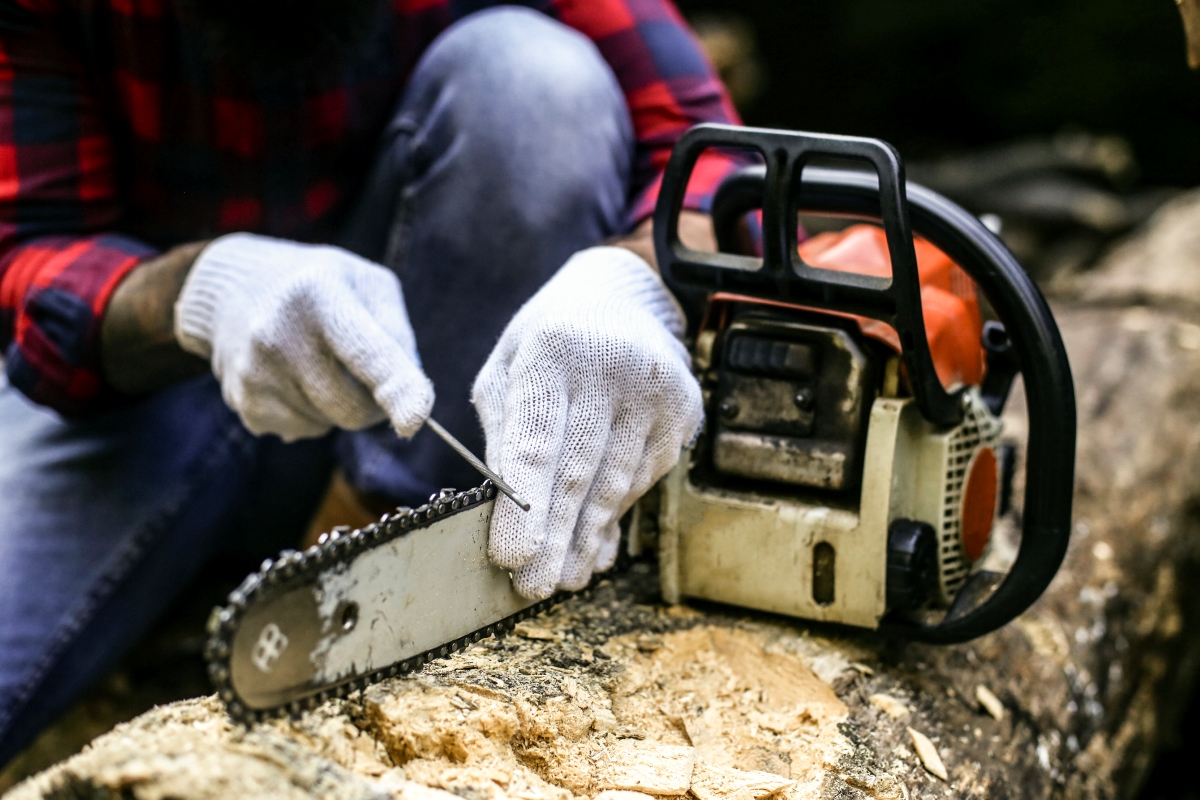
{"x": 361, "y": 606}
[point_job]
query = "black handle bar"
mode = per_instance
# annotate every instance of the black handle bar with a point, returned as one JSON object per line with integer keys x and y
{"x": 782, "y": 188}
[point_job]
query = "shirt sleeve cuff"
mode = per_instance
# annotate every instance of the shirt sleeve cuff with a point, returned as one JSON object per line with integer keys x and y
{"x": 53, "y": 292}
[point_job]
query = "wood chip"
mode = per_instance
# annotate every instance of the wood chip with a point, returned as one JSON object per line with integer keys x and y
{"x": 989, "y": 701}
{"x": 527, "y": 630}
{"x": 622, "y": 794}
{"x": 661, "y": 769}
{"x": 889, "y": 705}
{"x": 525, "y": 785}
{"x": 713, "y": 782}
{"x": 648, "y": 643}
{"x": 603, "y": 720}
{"x": 927, "y": 752}
{"x": 401, "y": 789}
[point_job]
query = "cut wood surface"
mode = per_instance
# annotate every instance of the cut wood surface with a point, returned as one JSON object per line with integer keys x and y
{"x": 617, "y": 697}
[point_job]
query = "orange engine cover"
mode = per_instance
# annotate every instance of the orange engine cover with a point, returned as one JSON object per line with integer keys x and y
{"x": 953, "y": 323}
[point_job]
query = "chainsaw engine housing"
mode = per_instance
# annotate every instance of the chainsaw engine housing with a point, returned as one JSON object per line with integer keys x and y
{"x": 874, "y": 508}
{"x": 816, "y": 490}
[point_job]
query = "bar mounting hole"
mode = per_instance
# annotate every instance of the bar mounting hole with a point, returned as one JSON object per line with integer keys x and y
{"x": 349, "y": 617}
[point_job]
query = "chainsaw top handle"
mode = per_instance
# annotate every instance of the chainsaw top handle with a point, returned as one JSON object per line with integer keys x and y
{"x": 783, "y": 188}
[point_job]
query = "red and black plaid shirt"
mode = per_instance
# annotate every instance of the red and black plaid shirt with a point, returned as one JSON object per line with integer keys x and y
{"x": 119, "y": 138}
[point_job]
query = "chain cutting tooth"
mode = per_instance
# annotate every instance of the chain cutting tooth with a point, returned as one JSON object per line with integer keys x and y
{"x": 399, "y": 518}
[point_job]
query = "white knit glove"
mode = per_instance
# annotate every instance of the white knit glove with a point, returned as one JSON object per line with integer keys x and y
{"x": 303, "y": 338}
{"x": 586, "y": 401}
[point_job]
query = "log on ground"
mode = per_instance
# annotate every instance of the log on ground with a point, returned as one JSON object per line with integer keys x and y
{"x": 618, "y": 697}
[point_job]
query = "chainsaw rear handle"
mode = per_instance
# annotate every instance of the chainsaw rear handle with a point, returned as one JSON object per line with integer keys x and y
{"x": 782, "y": 189}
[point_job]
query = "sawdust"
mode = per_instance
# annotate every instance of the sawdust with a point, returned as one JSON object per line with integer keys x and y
{"x": 608, "y": 694}
{"x": 693, "y": 688}
{"x": 191, "y": 750}
{"x": 637, "y": 716}
{"x": 609, "y": 699}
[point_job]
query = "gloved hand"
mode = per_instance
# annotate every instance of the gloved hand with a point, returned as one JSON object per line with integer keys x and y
{"x": 303, "y": 338}
{"x": 586, "y": 401}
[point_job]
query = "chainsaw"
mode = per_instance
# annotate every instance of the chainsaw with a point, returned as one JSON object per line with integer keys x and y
{"x": 850, "y": 469}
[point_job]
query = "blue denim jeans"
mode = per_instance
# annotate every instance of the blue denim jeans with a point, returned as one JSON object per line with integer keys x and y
{"x": 510, "y": 150}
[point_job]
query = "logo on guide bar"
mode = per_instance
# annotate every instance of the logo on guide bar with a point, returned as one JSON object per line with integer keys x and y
{"x": 269, "y": 647}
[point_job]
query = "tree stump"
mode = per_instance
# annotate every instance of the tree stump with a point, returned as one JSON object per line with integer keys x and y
{"x": 618, "y": 697}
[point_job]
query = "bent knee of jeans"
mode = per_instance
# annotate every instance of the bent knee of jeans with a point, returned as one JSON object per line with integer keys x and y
{"x": 517, "y": 65}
